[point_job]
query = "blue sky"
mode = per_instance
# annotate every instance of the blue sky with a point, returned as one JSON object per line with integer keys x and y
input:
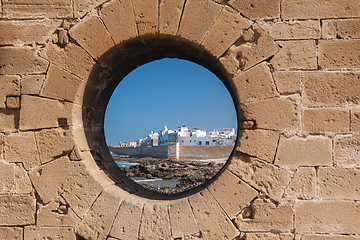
{"x": 169, "y": 92}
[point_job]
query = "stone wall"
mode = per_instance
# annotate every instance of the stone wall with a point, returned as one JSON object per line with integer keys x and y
{"x": 204, "y": 152}
{"x": 291, "y": 66}
{"x": 156, "y": 152}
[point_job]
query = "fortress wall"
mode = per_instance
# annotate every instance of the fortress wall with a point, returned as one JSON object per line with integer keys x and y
{"x": 156, "y": 152}
{"x": 291, "y": 66}
{"x": 204, "y": 152}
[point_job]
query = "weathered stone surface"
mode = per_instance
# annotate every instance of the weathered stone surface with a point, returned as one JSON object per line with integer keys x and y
{"x": 53, "y": 143}
{"x": 253, "y": 47}
{"x": 182, "y": 220}
{"x": 23, "y": 184}
{"x": 10, "y": 86}
{"x": 255, "y": 84}
{"x": 255, "y": 9}
{"x": 89, "y": 33}
{"x": 12, "y": 102}
{"x": 31, "y": 232}
{"x": 9, "y": 119}
{"x": 328, "y": 30}
{"x": 81, "y": 7}
{"x": 49, "y": 179}
{"x": 71, "y": 58}
{"x": 264, "y": 215}
{"x": 14, "y": 233}
{"x": 20, "y": 60}
{"x": 125, "y": 227}
{"x": 326, "y": 120}
{"x": 31, "y": 84}
{"x": 338, "y": 54}
{"x": 17, "y": 210}
{"x": 211, "y": 219}
{"x": 303, "y": 184}
{"x": 7, "y": 173}
{"x": 355, "y": 120}
{"x": 146, "y": 16}
{"x": 317, "y": 9}
{"x": 224, "y": 32}
{"x": 169, "y": 15}
{"x": 19, "y": 32}
{"x": 339, "y": 183}
{"x": 33, "y": 10}
{"x": 310, "y": 151}
{"x": 120, "y": 12}
{"x": 348, "y": 28}
{"x": 99, "y": 219}
{"x": 327, "y": 216}
{"x": 264, "y": 177}
{"x": 198, "y": 17}
{"x": 332, "y": 89}
{"x": 296, "y": 55}
{"x": 56, "y": 213}
{"x": 326, "y": 237}
{"x": 347, "y": 152}
{"x": 155, "y": 222}
{"x": 259, "y": 143}
{"x": 288, "y": 82}
{"x": 269, "y": 236}
{"x": 233, "y": 199}
{"x": 309, "y": 29}
{"x": 63, "y": 85}
{"x": 277, "y": 113}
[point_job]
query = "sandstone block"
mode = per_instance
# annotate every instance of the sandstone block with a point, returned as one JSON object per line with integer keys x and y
{"x": 303, "y": 184}
{"x": 328, "y": 29}
{"x": 309, "y": 29}
{"x": 277, "y": 113}
{"x": 71, "y": 58}
{"x": 63, "y": 85}
{"x": 355, "y": 120}
{"x": 296, "y": 55}
{"x": 31, "y": 84}
{"x": 2, "y": 143}
{"x": 326, "y": 120}
{"x": 211, "y": 219}
{"x": 317, "y": 9}
{"x": 155, "y": 213}
{"x": 89, "y": 33}
{"x": 255, "y": 9}
{"x": 347, "y": 152}
{"x": 146, "y": 16}
{"x": 348, "y": 28}
{"x": 7, "y": 173}
{"x": 288, "y": 82}
{"x": 311, "y": 151}
{"x": 255, "y": 84}
{"x": 339, "y": 183}
{"x": 14, "y": 233}
{"x": 169, "y": 15}
{"x": 9, "y": 119}
{"x": 99, "y": 219}
{"x": 264, "y": 177}
{"x": 259, "y": 143}
{"x": 326, "y": 237}
{"x": 33, "y": 10}
{"x": 197, "y": 18}
{"x": 50, "y": 2}
{"x": 327, "y": 216}
{"x": 49, "y": 179}
{"x": 17, "y": 210}
{"x": 31, "y": 232}
{"x": 123, "y": 226}
{"x": 23, "y": 184}
{"x": 20, "y": 60}
{"x": 253, "y": 47}
{"x": 233, "y": 199}
{"x": 331, "y": 88}
{"x": 21, "y": 147}
{"x": 264, "y": 215}
{"x": 119, "y": 12}
{"x": 56, "y": 213}
{"x": 10, "y": 86}
{"x": 81, "y": 7}
{"x": 338, "y": 54}
{"x": 269, "y": 236}
{"x": 228, "y": 27}
{"x": 16, "y": 32}
{"x": 182, "y": 220}
{"x": 12, "y": 102}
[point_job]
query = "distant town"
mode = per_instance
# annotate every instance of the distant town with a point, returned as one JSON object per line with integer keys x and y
{"x": 185, "y": 137}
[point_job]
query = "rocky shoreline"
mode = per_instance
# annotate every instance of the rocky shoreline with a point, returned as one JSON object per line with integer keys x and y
{"x": 189, "y": 173}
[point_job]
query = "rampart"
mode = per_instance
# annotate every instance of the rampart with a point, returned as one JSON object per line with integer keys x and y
{"x": 292, "y": 68}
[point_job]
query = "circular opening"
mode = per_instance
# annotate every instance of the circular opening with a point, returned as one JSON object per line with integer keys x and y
{"x": 170, "y": 125}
